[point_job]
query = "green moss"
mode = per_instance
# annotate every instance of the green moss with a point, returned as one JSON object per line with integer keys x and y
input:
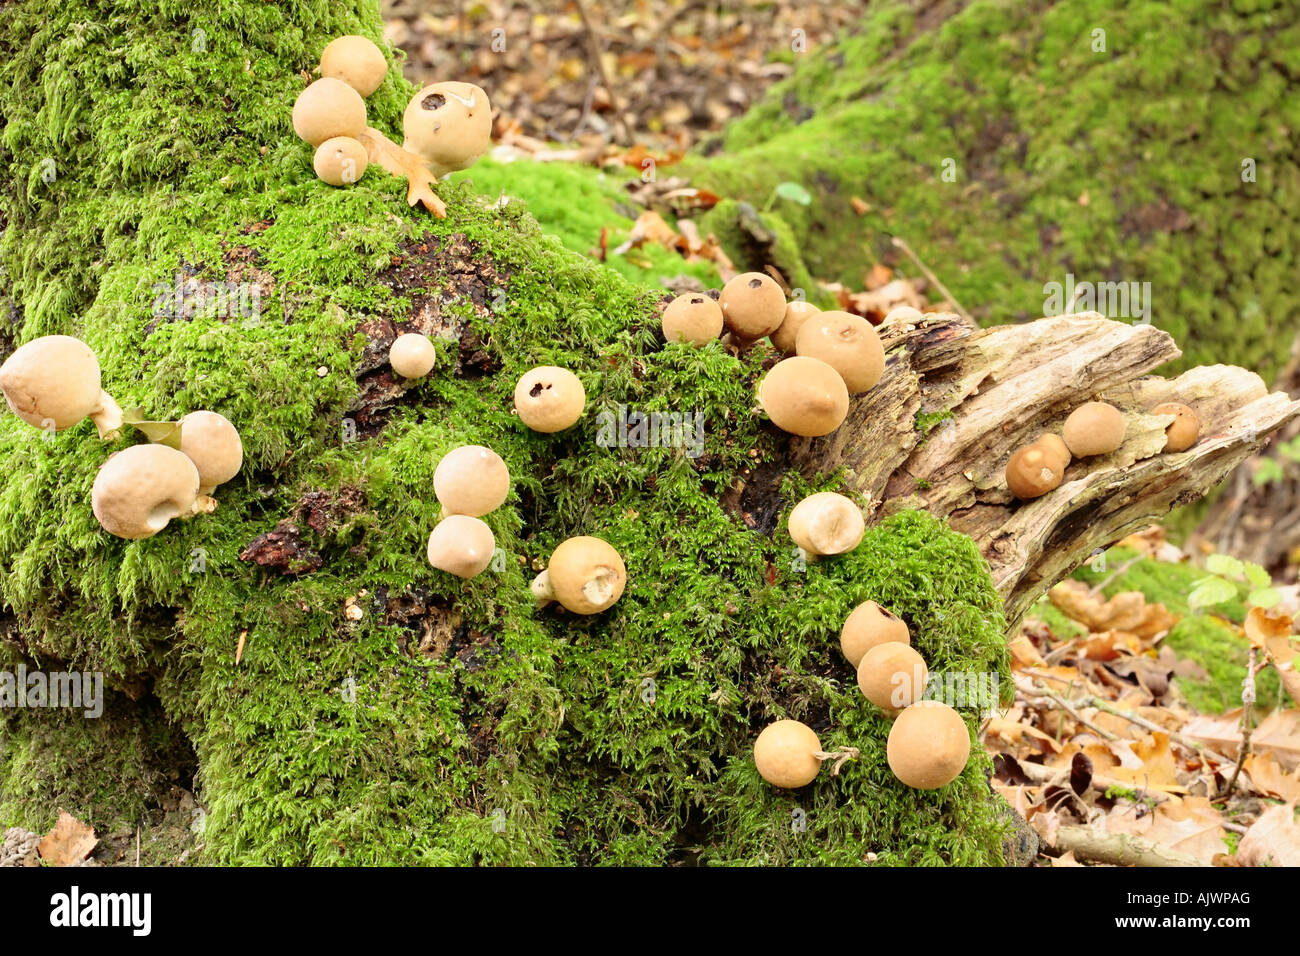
{"x": 523, "y": 736}
{"x": 1123, "y": 164}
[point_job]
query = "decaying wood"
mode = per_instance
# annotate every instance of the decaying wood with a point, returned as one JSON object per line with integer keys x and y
{"x": 1006, "y": 385}
{"x": 1119, "y": 849}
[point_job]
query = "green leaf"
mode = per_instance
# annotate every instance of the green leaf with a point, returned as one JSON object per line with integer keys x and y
{"x": 1225, "y": 565}
{"x": 1264, "y": 597}
{"x": 1269, "y": 470}
{"x": 1257, "y": 576}
{"x": 1211, "y": 591}
{"x": 794, "y": 192}
{"x": 1290, "y": 449}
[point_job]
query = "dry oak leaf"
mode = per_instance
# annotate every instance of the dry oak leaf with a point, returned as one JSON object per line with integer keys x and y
{"x": 1128, "y": 611}
{"x": 1268, "y": 779}
{"x": 1147, "y": 764}
{"x": 1271, "y": 632}
{"x": 68, "y": 843}
{"x": 1279, "y": 733}
{"x": 1273, "y": 839}
{"x": 1188, "y": 825}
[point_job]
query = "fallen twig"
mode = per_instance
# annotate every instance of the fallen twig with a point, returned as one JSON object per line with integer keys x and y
{"x": 1120, "y": 849}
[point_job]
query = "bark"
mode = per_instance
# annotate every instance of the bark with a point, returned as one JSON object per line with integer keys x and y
{"x": 1006, "y": 385}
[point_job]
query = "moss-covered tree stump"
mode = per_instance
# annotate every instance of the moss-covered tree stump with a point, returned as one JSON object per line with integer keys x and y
{"x": 293, "y": 657}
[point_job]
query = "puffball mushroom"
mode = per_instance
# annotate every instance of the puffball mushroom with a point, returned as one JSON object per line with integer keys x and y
{"x": 928, "y": 745}
{"x": 549, "y": 398}
{"x": 903, "y": 314}
{"x": 785, "y": 754}
{"x": 1056, "y": 448}
{"x": 213, "y": 444}
{"x": 355, "y": 60}
{"x": 54, "y": 381}
{"x": 826, "y": 523}
{"x": 585, "y": 574}
{"x": 471, "y": 480}
{"x": 1094, "y": 428}
{"x": 848, "y": 344}
{"x": 753, "y": 305}
{"x": 804, "y": 396}
{"x": 412, "y": 355}
{"x": 340, "y": 161}
{"x": 796, "y": 314}
{"x": 326, "y": 109}
{"x": 868, "y": 625}
{"x": 1183, "y": 432}
{"x": 449, "y": 125}
{"x": 141, "y": 488}
{"x": 693, "y": 317}
{"x": 1033, "y": 471}
{"x": 461, "y": 545}
{"x": 892, "y": 675}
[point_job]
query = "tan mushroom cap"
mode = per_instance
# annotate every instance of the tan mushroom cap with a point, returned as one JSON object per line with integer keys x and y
{"x": 848, "y": 344}
{"x": 892, "y": 675}
{"x": 141, "y": 488}
{"x": 785, "y": 754}
{"x": 1056, "y": 448}
{"x": 357, "y": 61}
{"x": 903, "y": 314}
{"x": 866, "y": 626}
{"x": 586, "y": 575}
{"x": 804, "y": 396}
{"x": 461, "y": 545}
{"x": 692, "y": 317}
{"x": 54, "y": 382}
{"x": 210, "y": 441}
{"x": 449, "y": 125}
{"x": 1094, "y": 428}
{"x": 928, "y": 745}
{"x": 826, "y": 523}
{"x": 326, "y": 109}
{"x": 1184, "y": 431}
{"x": 753, "y": 305}
{"x": 796, "y": 314}
{"x": 549, "y": 398}
{"x": 340, "y": 161}
{"x": 1033, "y": 471}
{"x": 471, "y": 480}
{"x": 412, "y": 355}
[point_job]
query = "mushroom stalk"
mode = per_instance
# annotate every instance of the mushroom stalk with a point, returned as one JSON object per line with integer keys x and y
{"x": 402, "y": 162}
{"x": 542, "y": 590}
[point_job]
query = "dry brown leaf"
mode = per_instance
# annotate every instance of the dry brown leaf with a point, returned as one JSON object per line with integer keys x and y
{"x": 1024, "y": 653}
{"x": 1279, "y": 732}
{"x": 68, "y": 843}
{"x": 1188, "y": 825}
{"x": 1268, "y": 779}
{"x": 1065, "y": 859}
{"x": 1123, "y": 612}
{"x": 1270, "y": 631}
{"x": 1147, "y": 763}
{"x": 1273, "y": 839}
{"x": 1014, "y": 731}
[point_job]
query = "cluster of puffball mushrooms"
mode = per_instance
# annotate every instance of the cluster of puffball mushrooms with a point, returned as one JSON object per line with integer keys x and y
{"x": 447, "y": 126}
{"x": 1094, "y": 428}
{"x": 53, "y": 383}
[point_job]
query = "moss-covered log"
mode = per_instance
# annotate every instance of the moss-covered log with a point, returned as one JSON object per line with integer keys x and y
{"x": 342, "y": 701}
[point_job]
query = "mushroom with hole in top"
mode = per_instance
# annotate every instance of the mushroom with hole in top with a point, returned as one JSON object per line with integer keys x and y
{"x": 340, "y": 161}
{"x": 892, "y": 676}
{"x": 753, "y": 306}
{"x": 357, "y": 61}
{"x": 870, "y": 624}
{"x": 141, "y": 488}
{"x": 848, "y": 344}
{"x": 549, "y": 398}
{"x": 785, "y": 754}
{"x": 461, "y": 545}
{"x": 1094, "y": 428}
{"x": 826, "y": 523}
{"x": 586, "y": 575}
{"x": 1184, "y": 431}
{"x": 210, "y": 441}
{"x": 804, "y": 396}
{"x": 471, "y": 480}
{"x": 326, "y": 109}
{"x": 692, "y": 317}
{"x": 412, "y": 355}
{"x": 797, "y": 313}
{"x": 928, "y": 745}
{"x": 53, "y": 382}
{"x": 448, "y": 125}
